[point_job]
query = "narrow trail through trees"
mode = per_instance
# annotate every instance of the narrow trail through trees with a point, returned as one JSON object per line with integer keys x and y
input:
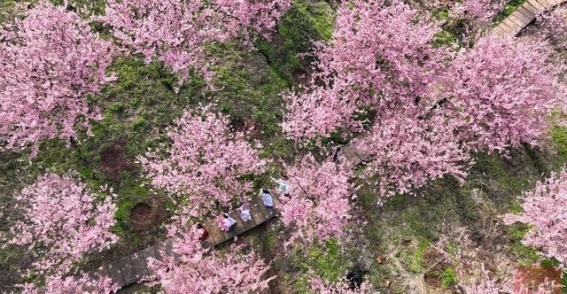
{"x": 132, "y": 268}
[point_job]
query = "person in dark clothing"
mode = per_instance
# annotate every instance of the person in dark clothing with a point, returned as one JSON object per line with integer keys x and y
{"x": 355, "y": 278}
{"x": 336, "y": 154}
{"x": 204, "y": 234}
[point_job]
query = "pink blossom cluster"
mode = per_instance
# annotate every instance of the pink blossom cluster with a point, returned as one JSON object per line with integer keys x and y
{"x": 393, "y": 65}
{"x": 500, "y": 92}
{"x": 64, "y": 220}
{"x": 517, "y": 285}
{"x": 319, "y": 203}
{"x": 484, "y": 285}
{"x": 261, "y": 15}
{"x": 72, "y": 285}
{"x": 480, "y": 11}
{"x": 50, "y": 60}
{"x": 408, "y": 152}
{"x": 545, "y": 209}
{"x": 554, "y": 27}
{"x": 376, "y": 59}
{"x": 202, "y": 271}
{"x": 176, "y": 32}
{"x": 205, "y": 162}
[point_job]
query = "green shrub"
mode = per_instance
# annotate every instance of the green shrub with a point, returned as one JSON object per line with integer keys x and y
{"x": 448, "y": 278}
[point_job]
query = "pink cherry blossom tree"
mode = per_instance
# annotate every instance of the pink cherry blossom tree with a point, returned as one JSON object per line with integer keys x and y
{"x": 62, "y": 221}
{"x": 379, "y": 58}
{"x": 199, "y": 270}
{"x": 177, "y": 31}
{"x": 545, "y": 209}
{"x": 72, "y": 285}
{"x": 50, "y": 61}
{"x": 406, "y": 152}
{"x": 517, "y": 285}
{"x": 478, "y": 11}
{"x": 260, "y": 15}
{"x": 554, "y": 27}
{"x": 205, "y": 162}
{"x": 319, "y": 205}
{"x": 499, "y": 93}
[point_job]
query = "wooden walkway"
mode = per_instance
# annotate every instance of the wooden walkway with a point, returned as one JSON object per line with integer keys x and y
{"x": 260, "y": 214}
{"x": 523, "y": 16}
{"x": 130, "y": 269}
{"x": 352, "y": 157}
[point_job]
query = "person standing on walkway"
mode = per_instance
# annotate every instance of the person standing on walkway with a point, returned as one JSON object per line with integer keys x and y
{"x": 267, "y": 198}
{"x": 202, "y": 232}
{"x": 336, "y": 152}
{"x": 226, "y": 222}
{"x": 244, "y": 213}
{"x": 283, "y": 187}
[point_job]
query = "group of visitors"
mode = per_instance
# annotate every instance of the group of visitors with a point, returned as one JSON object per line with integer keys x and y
{"x": 226, "y": 222}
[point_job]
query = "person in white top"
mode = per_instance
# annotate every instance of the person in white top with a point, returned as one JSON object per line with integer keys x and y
{"x": 266, "y": 198}
{"x": 283, "y": 187}
{"x": 244, "y": 213}
{"x": 227, "y": 222}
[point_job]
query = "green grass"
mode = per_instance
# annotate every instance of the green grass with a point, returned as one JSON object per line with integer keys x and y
{"x": 525, "y": 254}
{"x": 305, "y": 22}
{"x": 506, "y": 179}
{"x": 452, "y": 29}
{"x": 559, "y": 137}
{"x": 86, "y": 7}
{"x": 416, "y": 263}
{"x": 249, "y": 90}
{"x": 325, "y": 260}
{"x": 444, "y": 38}
{"x": 409, "y": 224}
{"x": 136, "y": 110}
{"x": 448, "y": 278}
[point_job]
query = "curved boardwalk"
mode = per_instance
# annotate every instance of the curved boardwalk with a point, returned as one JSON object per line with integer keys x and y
{"x": 132, "y": 268}
{"x": 523, "y": 16}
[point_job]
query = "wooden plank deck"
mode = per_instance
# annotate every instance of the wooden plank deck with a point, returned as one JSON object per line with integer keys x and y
{"x": 523, "y": 16}
{"x": 130, "y": 269}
